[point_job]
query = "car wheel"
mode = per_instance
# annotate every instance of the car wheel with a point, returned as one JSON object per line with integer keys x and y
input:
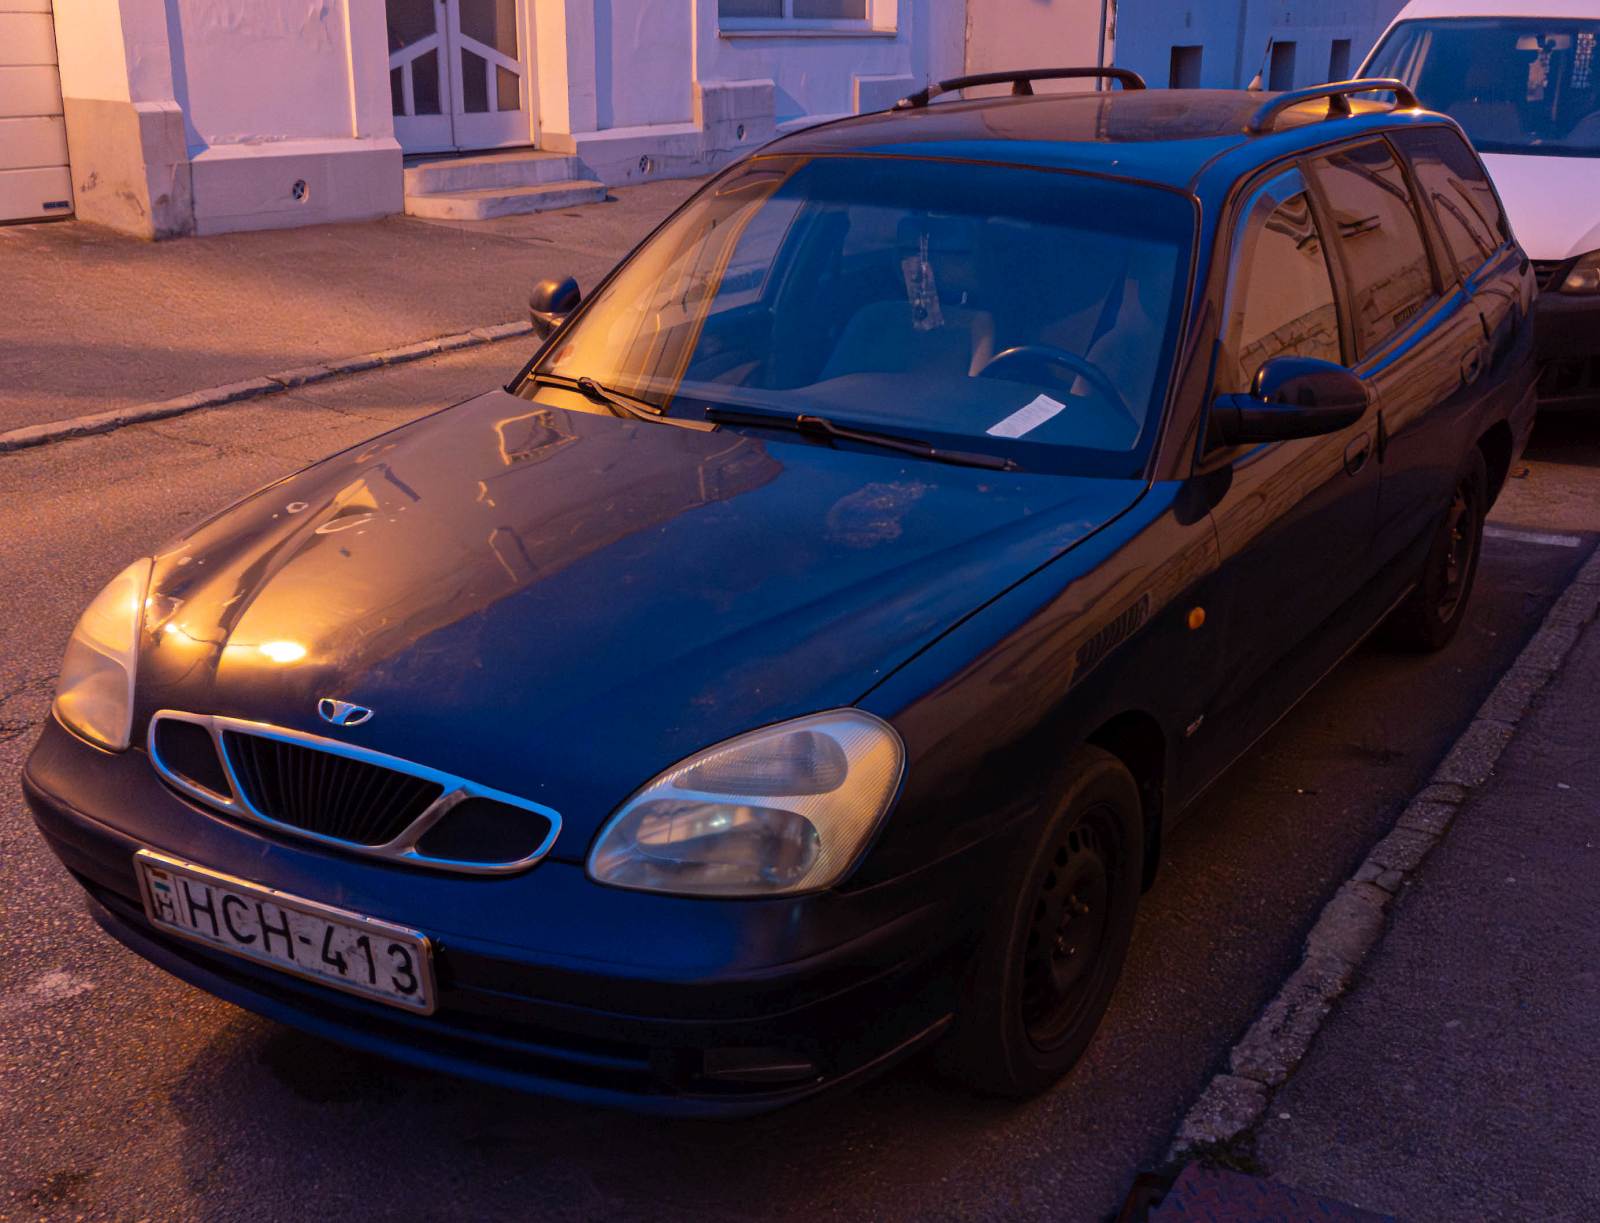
{"x": 1430, "y": 616}
{"x": 1050, "y": 959}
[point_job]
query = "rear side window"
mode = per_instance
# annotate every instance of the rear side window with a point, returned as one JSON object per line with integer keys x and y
{"x": 1379, "y": 239}
{"x": 1453, "y": 179}
{"x": 1281, "y": 301}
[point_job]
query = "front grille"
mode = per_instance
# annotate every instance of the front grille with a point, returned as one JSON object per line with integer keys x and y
{"x": 328, "y": 794}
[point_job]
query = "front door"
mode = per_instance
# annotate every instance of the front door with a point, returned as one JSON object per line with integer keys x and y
{"x": 1296, "y": 524}
{"x": 457, "y": 74}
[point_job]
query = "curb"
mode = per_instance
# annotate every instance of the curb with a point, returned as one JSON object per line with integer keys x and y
{"x": 1351, "y": 924}
{"x": 270, "y": 384}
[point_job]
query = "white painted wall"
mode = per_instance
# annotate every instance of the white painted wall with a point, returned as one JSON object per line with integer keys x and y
{"x": 644, "y": 62}
{"x": 911, "y": 41}
{"x": 1034, "y": 34}
{"x": 268, "y": 70}
{"x": 114, "y": 51}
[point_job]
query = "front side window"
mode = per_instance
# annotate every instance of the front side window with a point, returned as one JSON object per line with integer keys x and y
{"x": 1454, "y": 181}
{"x": 1516, "y": 84}
{"x": 1281, "y": 299}
{"x": 1380, "y": 240}
{"x": 1006, "y": 310}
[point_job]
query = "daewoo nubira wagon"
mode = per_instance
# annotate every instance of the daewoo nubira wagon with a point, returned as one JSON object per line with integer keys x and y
{"x": 801, "y": 661}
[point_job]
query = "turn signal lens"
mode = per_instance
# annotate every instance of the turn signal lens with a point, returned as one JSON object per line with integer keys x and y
{"x": 94, "y": 696}
{"x": 782, "y": 810}
{"x": 1584, "y": 276}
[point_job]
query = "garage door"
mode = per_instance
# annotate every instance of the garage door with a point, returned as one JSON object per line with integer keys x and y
{"x": 34, "y": 179}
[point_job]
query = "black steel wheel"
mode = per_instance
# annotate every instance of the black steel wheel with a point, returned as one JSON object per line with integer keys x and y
{"x": 1050, "y": 959}
{"x": 1431, "y": 615}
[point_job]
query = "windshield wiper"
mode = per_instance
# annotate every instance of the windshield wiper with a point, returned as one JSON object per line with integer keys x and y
{"x": 594, "y": 392}
{"x": 821, "y": 426}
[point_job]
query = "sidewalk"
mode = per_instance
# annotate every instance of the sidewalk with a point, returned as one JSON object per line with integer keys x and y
{"x": 1459, "y": 1079}
{"x": 92, "y": 321}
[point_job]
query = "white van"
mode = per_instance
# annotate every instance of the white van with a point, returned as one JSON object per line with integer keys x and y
{"x": 1523, "y": 78}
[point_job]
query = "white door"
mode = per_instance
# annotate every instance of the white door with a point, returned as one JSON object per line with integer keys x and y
{"x": 34, "y": 178}
{"x": 457, "y": 77}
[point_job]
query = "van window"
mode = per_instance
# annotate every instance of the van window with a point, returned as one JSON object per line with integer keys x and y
{"x": 1281, "y": 300}
{"x": 1517, "y": 84}
{"x": 1379, "y": 239}
{"x": 1454, "y": 181}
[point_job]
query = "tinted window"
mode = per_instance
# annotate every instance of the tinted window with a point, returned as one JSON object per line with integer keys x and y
{"x": 1454, "y": 181}
{"x": 1385, "y": 259}
{"x": 1281, "y": 301}
{"x": 1517, "y": 84}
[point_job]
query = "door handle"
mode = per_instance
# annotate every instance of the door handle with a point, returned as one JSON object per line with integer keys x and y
{"x": 1471, "y": 367}
{"x": 1357, "y": 453}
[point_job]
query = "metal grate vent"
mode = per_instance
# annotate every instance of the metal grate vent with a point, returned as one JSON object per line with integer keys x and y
{"x": 331, "y": 795}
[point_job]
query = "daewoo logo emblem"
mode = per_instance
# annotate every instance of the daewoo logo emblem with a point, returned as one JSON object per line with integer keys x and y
{"x": 342, "y": 713}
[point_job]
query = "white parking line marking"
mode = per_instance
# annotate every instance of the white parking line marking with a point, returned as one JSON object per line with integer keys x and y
{"x": 1534, "y": 537}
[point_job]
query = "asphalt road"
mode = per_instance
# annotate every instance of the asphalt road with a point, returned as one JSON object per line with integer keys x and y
{"x": 124, "y": 1094}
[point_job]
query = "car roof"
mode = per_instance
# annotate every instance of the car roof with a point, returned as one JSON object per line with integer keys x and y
{"x": 1162, "y": 136}
{"x": 1498, "y": 8}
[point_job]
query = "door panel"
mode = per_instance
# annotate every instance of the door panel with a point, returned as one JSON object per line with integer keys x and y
{"x": 487, "y": 74}
{"x": 1295, "y": 524}
{"x": 35, "y": 180}
{"x": 418, "y": 86}
{"x": 1421, "y": 341}
{"x": 456, "y": 75}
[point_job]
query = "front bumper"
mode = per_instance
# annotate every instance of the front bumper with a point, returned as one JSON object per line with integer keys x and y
{"x": 1568, "y": 331}
{"x": 659, "y": 1004}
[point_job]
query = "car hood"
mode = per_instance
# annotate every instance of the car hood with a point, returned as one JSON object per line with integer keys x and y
{"x": 1553, "y": 202}
{"x": 559, "y": 604}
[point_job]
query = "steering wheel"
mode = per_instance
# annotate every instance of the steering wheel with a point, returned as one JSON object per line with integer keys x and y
{"x": 1057, "y": 364}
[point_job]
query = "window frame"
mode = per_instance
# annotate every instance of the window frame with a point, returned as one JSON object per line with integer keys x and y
{"x": 1362, "y": 354}
{"x": 1241, "y": 218}
{"x": 880, "y": 19}
{"x": 1443, "y": 250}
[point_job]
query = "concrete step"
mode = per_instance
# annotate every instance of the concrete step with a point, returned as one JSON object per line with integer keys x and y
{"x": 525, "y": 168}
{"x": 482, "y": 203}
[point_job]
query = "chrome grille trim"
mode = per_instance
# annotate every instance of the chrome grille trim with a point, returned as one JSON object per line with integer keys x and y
{"x": 403, "y": 848}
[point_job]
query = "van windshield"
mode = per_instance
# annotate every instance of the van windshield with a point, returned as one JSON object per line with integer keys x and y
{"x": 1516, "y": 84}
{"x": 1002, "y": 310}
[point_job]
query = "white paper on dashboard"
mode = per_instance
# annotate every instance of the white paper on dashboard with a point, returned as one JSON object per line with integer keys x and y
{"x": 1028, "y": 418}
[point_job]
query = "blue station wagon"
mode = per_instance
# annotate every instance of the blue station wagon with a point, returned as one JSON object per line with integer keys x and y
{"x": 802, "y": 660}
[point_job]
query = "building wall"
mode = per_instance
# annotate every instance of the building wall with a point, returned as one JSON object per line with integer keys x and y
{"x": 199, "y": 116}
{"x": 1035, "y": 34}
{"x": 1233, "y": 35}
{"x": 667, "y": 88}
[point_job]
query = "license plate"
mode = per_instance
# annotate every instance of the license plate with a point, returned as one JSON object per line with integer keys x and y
{"x": 360, "y": 955}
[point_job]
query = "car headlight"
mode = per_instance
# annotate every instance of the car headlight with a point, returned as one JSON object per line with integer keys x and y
{"x": 782, "y": 810}
{"x": 94, "y": 696}
{"x": 1584, "y": 276}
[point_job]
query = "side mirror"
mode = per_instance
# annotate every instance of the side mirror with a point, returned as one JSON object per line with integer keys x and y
{"x": 550, "y": 303}
{"x": 1291, "y": 397}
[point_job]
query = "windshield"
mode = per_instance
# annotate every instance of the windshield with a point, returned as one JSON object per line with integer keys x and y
{"x": 1516, "y": 84}
{"x": 1008, "y": 311}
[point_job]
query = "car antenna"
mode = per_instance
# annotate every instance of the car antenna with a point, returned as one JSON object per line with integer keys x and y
{"x": 1256, "y": 82}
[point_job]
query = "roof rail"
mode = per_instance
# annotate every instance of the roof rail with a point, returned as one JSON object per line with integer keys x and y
{"x": 1338, "y": 100}
{"x": 1021, "y": 82}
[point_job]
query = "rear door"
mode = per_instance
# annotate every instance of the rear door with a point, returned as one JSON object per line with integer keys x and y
{"x": 1419, "y": 343}
{"x": 1475, "y": 244}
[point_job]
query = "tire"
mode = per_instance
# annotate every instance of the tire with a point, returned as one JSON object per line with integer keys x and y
{"x": 1050, "y": 958}
{"x": 1433, "y": 612}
